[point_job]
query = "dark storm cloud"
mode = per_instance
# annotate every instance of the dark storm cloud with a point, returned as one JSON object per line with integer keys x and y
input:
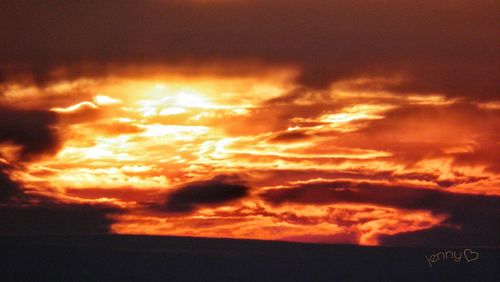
{"x": 473, "y": 219}
{"x": 31, "y": 129}
{"x": 23, "y": 213}
{"x": 219, "y": 190}
{"x": 378, "y": 194}
{"x": 441, "y": 46}
{"x": 55, "y": 218}
{"x": 27, "y": 213}
{"x": 7, "y": 187}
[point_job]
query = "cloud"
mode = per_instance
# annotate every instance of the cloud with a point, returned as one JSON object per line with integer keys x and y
{"x": 259, "y": 71}
{"x": 56, "y": 218}
{"x": 470, "y": 217}
{"x": 291, "y": 136}
{"x": 33, "y": 130}
{"x": 28, "y": 213}
{"x": 404, "y": 197}
{"x": 217, "y": 191}
{"x": 125, "y": 194}
{"x": 416, "y": 132}
{"x": 342, "y": 238}
{"x": 116, "y": 128}
{"x": 447, "y": 46}
{"x": 7, "y": 187}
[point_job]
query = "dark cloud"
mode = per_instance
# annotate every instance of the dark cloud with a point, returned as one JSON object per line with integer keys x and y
{"x": 473, "y": 218}
{"x": 291, "y": 136}
{"x": 369, "y": 193}
{"x": 23, "y": 213}
{"x": 31, "y": 129}
{"x": 8, "y": 188}
{"x": 218, "y": 190}
{"x": 56, "y": 218}
{"x": 447, "y": 46}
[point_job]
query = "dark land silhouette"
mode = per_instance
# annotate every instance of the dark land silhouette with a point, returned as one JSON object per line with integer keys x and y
{"x": 163, "y": 258}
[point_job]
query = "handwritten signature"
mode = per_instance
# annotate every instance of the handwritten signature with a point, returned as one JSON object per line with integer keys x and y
{"x": 468, "y": 255}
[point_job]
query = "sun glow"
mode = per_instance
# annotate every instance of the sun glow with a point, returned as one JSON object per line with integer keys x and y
{"x": 130, "y": 141}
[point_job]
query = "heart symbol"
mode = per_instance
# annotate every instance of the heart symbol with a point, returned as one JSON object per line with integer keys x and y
{"x": 470, "y": 255}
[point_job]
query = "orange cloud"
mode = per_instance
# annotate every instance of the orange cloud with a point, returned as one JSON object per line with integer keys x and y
{"x": 323, "y": 120}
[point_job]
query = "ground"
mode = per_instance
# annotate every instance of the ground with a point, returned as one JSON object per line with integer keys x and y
{"x": 156, "y": 258}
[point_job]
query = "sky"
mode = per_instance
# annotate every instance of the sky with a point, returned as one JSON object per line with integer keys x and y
{"x": 352, "y": 122}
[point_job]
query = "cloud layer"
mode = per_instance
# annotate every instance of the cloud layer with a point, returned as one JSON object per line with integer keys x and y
{"x": 448, "y": 47}
{"x": 216, "y": 191}
{"x": 471, "y": 218}
{"x": 371, "y": 123}
{"x": 33, "y": 130}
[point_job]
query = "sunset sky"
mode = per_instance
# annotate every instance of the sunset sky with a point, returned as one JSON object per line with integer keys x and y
{"x": 362, "y": 122}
